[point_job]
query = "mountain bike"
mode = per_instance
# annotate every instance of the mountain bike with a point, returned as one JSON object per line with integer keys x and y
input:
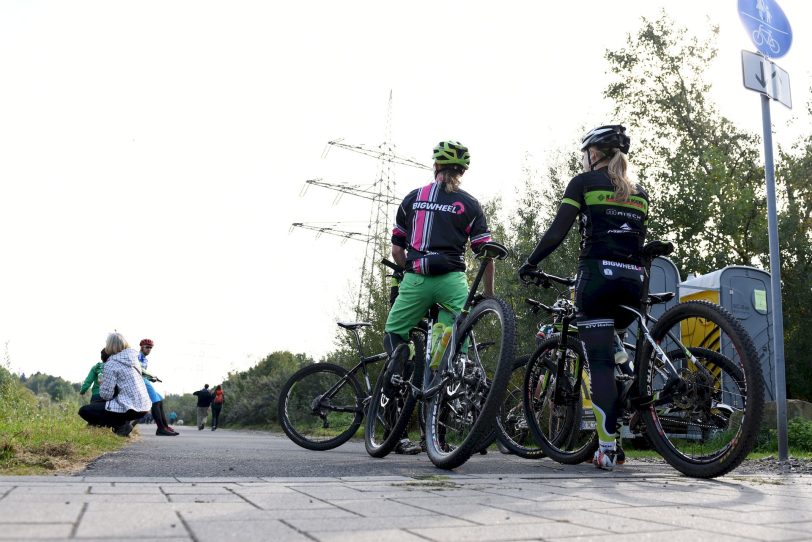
{"x": 694, "y": 386}
{"x": 321, "y": 406}
{"x": 463, "y": 395}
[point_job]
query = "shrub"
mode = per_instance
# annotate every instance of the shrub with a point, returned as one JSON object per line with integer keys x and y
{"x": 799, "y": 437}
{"x": 800, "y": 434}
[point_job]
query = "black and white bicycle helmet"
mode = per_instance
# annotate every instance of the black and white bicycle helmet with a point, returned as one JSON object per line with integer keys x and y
{"x": 603, "y": 138}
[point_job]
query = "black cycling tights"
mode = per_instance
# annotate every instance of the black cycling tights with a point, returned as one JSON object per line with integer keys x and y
{"x": 601, "y": 287}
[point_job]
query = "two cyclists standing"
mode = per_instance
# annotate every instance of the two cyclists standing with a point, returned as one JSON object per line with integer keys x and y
{"x": 613, "y": 215}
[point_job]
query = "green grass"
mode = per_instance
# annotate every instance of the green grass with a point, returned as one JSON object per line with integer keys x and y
{"x": 38, "y": 437}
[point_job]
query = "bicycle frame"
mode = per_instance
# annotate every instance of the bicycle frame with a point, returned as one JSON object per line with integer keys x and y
{"x": 643, "y": 337}
{"x": 428, "y": 391}
{"x": 362, "y": 364}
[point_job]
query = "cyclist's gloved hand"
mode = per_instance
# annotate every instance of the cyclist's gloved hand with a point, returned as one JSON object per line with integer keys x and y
{"x": 526, "y": 271}
{"x": 394, "y": 287}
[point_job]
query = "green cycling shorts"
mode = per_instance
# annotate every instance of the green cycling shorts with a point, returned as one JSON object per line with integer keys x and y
{"x": 419, "y": 292}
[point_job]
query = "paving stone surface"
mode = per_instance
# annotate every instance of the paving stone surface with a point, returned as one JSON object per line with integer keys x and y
{"x": 491, "y": 498}
{"x": 583, "y": 506}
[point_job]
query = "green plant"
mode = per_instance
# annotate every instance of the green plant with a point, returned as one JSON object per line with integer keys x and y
{"x": 800, "y": 434}
{"x": 40, "y": 435}
{"x": 799, "y": 437}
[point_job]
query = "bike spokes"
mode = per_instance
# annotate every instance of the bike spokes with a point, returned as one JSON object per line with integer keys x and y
{"x": 707, "y": 389}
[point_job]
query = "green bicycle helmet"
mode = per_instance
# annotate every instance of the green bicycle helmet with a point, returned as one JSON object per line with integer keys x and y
{"x": 452, "y": 155}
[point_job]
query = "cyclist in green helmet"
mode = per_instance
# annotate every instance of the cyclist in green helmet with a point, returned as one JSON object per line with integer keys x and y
{"x": 433, "y": 225}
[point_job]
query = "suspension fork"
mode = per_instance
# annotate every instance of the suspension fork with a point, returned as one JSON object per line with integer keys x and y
{"x": 558, "y": 395}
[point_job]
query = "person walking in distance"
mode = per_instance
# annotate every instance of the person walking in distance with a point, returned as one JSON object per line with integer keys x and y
{"x": 156, "y": 398}
{"x": 218, "y": 399}
{"x": 204, "y": 399}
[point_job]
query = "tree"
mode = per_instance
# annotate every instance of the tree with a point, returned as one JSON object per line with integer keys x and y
{"x": 57, "y": 388}
{"x": 702, "y": 171}
{"x": 539, "y": 199}
{"x": 705, "y": 174}
{"x": 252, "y": 396}
{"x": 795, "y": 237}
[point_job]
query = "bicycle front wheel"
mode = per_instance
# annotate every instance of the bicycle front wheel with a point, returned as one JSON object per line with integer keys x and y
{"x": 514, "y": 432}
{"x": 705, "y": 413}
{"x": 391, "y": 407}
{"x": 461, "y": 415}
{"x": 558, "y": 414}
{"x": 321, "y": 406}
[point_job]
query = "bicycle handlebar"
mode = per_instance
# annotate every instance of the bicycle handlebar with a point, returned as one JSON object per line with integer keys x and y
{"x": 392, "y": 265}
{"x": 542, "y": 279}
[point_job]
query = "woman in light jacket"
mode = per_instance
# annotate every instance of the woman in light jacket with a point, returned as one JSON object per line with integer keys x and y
{"x": 122, "y": 389}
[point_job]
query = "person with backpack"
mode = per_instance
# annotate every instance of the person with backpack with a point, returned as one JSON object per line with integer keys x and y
{"x": 217, "y": 402}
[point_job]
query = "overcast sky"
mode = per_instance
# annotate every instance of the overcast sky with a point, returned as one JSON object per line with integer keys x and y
{"x": 152, "y": 154}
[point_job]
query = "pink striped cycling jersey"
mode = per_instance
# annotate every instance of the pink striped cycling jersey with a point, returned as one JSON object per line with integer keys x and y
{"x": 435, "y": 226}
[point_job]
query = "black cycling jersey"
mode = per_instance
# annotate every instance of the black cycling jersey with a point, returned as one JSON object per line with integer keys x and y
{"x": 434, "y": 226}
{"x": 610, "y": 229}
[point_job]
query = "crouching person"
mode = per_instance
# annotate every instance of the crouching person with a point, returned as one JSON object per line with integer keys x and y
{"x": 122, "y": 389}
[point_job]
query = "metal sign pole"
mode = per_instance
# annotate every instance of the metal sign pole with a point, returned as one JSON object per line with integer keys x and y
{"x": 775, "y": 279}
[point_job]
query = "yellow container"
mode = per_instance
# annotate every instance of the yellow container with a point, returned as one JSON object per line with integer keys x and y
{"x": 698, "y": 331}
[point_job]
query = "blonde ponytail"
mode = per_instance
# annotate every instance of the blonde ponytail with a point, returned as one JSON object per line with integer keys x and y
{"x": 451, "y": 180}
{"x": 618, "y": 173}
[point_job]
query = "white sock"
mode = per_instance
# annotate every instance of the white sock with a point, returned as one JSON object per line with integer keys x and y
{"x": 608, "y": 446}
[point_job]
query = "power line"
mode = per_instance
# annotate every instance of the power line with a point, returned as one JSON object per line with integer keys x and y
{"x": 382, "y": 195}
{"x": 328, "y": 230}
{"x": 384, "y": 151}
{"x": 357, "y": 190}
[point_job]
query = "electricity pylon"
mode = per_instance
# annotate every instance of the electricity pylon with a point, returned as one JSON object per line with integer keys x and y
{"x": 382, "y": 194}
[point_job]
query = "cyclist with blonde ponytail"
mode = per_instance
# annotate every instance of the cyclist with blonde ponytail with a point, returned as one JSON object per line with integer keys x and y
{"x": 613, "y": 214}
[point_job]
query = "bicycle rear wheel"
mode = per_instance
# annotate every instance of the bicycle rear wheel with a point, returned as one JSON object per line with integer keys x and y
{"x": 461, "y": 415}
{"x": 514, "y": 432}
{"x": 564, "y": 429}
{"x": 705, "y": 422}
{"x": 320, "y": 406}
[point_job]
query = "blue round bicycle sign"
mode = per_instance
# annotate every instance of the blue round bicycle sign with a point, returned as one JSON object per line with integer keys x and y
{"x": 767, "y": 26}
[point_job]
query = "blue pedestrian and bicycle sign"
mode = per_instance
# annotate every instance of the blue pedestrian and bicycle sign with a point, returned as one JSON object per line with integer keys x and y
{"x": 767, "y": 26}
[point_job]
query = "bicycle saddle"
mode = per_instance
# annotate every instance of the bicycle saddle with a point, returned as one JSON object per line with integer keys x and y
{"x": 494, "y": 250}
{"x": 652, "y": 249}
{"x": 663, "y": 297}
{"x": 353, "y": 325}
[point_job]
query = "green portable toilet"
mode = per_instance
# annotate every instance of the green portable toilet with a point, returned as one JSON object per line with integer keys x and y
{"x": 745, "y": 292}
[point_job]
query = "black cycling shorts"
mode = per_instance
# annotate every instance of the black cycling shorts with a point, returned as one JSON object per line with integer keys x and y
{"x": 603, "y": 285}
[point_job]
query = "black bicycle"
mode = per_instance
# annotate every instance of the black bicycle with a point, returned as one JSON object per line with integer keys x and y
{"x": 462, "y": 396}
{"x": 321, "y": 406}
{"x": 694, "y": 386}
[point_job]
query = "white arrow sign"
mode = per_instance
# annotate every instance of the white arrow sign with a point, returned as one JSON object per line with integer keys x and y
{"x": 763, "y": 76}
{"x": 781, "y": 90}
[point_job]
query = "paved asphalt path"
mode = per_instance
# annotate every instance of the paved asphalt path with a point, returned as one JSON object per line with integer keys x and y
{"x": 233, "y": 453}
